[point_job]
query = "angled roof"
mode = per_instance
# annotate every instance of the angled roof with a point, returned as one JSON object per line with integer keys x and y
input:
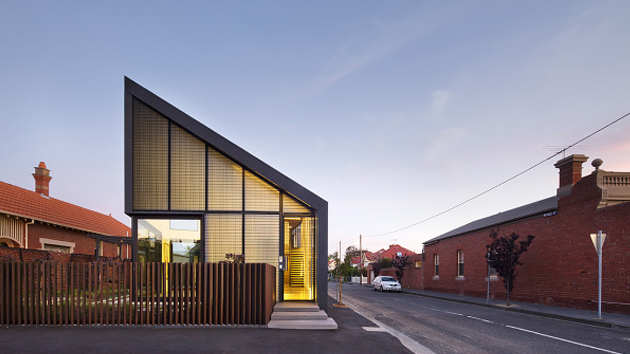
{"x": 27, "y": 204}
{"x": 390, "y": 253}
{"x": 523, "y": 212}
{"x": 214, "y": 139}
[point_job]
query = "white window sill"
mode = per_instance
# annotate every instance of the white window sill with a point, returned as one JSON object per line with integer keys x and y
{"x": 493, "y": 278}
{"x": 436, "y": 278}
{"x": 460, "y": 278}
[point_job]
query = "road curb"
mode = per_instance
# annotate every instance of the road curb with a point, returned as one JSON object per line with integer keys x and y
{"x": 529, "y": 312}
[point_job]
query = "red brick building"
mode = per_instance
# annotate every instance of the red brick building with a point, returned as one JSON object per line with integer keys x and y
{"x": 391, "y": 252}
{"x": 34, "y": 220}
{"x": 561, "y": 266}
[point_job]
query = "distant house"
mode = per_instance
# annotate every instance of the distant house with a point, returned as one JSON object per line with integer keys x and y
{"x": 391, "y": 252}
{"x": 561, "y": 265}
{"x": 34, "y": 220}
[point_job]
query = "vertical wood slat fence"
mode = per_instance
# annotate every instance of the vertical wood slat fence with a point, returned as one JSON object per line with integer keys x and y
{"x": 136, "y": 293}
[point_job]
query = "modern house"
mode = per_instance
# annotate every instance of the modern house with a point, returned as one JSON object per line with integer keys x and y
{"x": 33, "y": 220}
{"x": 561, "y": 266}
{"x": 194, "y": 196}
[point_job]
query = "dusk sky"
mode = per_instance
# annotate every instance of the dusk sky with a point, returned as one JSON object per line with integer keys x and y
{"x": 392, "y": 111}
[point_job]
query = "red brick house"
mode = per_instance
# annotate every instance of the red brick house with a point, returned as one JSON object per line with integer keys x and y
{"x": 561, "y": 265}
{"x": 391, "y": 252}
{"x": 33, "y": 220}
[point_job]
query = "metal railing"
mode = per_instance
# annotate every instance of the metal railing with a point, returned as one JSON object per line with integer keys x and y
{"x": 125, "y": 293}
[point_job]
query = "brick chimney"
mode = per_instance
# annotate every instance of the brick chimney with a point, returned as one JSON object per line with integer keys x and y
{"x": 570, "y": 172}
{"x": 42, "y": 179}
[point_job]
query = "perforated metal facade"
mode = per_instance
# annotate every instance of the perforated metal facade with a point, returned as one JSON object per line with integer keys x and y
{"x": 178, "y": 169}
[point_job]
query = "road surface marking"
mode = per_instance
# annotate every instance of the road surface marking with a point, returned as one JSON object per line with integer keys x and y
{"x": 406, "y": 341}
{"x": 453, "y": 313}
{"x": 480, "y": 319}
{"x": 374, "y": 329}
{"x": 563, "y": 340}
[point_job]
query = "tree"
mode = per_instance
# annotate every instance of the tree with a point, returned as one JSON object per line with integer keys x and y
{"x": 381, "y": 263}
{"x": 351, "y": 252}
{"x": 504, "y": 255}
{"x": 400, "y": 263}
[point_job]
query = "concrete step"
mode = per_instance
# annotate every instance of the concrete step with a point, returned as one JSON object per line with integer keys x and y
{"x": 296, "y": 306}
{"x": 299, "y": 316}
{"x": 328, "y": 324}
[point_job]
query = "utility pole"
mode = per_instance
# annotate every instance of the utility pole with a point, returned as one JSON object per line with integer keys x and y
{"x": 360, "y": 260}
{"x": 339, "y": 272}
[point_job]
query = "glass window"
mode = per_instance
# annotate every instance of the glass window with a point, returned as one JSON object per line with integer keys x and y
{"x": 150, "y": 159}
{"x": 419, "y": 264}
{"x": 460, "y": 263}
{"x": 188, "y": 164}
{"x": 165, "y": 240}
{"x": 56, "y": 248}
{"x": 290, "y": 205}
{"x": 260, "y": 195}
{"x": 224, "y": 234}
{"x": 436, "y": 265}
{"x": 225, "y": 183}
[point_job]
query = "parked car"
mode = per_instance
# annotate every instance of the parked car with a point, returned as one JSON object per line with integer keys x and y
{"x": 386, "y": 283}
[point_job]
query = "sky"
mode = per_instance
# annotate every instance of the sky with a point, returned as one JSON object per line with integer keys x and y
{"x": 392, "y": 111}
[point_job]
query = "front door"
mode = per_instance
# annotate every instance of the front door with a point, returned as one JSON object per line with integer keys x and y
{"x": 298, "y": 249}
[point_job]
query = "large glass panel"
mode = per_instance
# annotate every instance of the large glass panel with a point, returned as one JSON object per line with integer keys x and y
{"x": 188, "y": 156}
{"x": 299, "y": 248}
{"x": 164, "y": 240}
{"x": 225, "y": 183}
{"x": 262, "y": 240}
{"x": 224, "y": 234}
{"x": 150, "y": 159}
{"x": 290, "y": 205}
{"x": 260, "y": 195}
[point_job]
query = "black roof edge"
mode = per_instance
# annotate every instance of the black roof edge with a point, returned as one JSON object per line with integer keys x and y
{"x": 527, "y": 211}
{"x": 225, "y": 146}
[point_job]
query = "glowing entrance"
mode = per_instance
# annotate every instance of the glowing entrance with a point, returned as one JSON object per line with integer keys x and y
{"x": 298, "y": 248}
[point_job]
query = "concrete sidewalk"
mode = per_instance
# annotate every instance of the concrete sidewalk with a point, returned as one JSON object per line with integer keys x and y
{"x": 608, "y": 319}
{"x": 351, "y": 337}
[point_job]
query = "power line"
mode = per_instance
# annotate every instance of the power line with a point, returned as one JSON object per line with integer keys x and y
{"x": 561, "y": 151}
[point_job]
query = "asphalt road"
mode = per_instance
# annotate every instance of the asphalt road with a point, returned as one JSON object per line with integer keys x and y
{"x": 451, "y": 327}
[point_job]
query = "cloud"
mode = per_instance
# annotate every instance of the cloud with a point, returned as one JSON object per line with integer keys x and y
{"x": 390, "y": 37}
{"x": 442, "y": 143}
{"x": 439, "y": 100}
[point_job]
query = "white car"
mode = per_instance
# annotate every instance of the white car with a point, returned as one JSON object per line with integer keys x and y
{"x": 386, "y": 283}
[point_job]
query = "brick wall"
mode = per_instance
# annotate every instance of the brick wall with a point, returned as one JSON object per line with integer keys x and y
{"x": 28, "y": 256}
{"x": 413, "y": 276}
{"x": 83, "y": 243}
{"x": 561, "y": 265}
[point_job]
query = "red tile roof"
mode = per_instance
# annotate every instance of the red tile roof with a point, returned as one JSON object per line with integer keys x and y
{"x": 382, "y": 253}
{"x": 28, "y": 204}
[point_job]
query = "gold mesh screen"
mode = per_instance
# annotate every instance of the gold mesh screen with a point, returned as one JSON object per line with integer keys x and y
{"x": 188, "y": 155}
{"x": 299, "y": 250}
{"x": 224, "y": 234}
{"x": 225, "y": 183}
{"x": 150, "y": 158}
{"x": 262, "y": 240}
{"x": 290, "y": 205}
{"x": 260, "y": 195}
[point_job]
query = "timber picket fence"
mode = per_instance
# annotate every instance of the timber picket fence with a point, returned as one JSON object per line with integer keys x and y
{"x": 125, "y": 293}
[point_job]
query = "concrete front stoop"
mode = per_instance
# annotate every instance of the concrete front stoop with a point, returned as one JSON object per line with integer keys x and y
{"x": 300, "y": 315}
